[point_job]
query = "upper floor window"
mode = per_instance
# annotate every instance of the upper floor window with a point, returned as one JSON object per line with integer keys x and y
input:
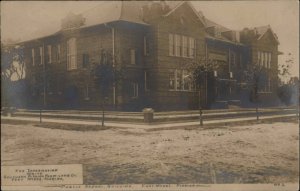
{"x": 185, "y": 47}
{"x": 33, "y": 56}
{"x": 181, "y": 46}
{"x": 178, "y": 45}
{"x": 58, "y": 53}
{"x": 192, "y": 47}
{"x": 41, "y": 56}
{"x": 269, "y": 60}
{"x": 49, "y": 60}
{"x": 264, "y": 59}
{"x": 146, "y": 46}
{"x": 171, "y": 45}
{"x": 71, "y": 54}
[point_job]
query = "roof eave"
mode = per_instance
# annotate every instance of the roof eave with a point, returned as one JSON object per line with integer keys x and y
{"x": 226, "y": 41}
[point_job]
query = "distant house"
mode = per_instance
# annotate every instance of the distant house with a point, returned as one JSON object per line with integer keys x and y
{"x": 154, "y": 43}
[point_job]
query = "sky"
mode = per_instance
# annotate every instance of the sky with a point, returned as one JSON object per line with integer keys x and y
{"x": 25, "y": 20}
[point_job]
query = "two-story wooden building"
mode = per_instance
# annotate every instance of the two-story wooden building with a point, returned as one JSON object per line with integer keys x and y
{"x": 154, "y": 43}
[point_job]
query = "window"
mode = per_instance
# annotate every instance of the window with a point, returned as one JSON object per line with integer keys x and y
{"x": 184, "y": 46}
{"x": 86, "y": 92}
{"x": 266, "y": 59}
{"x": 85, "y": 60}
{"x": 262, "y": 59}
{"x": 192, "y": 47}
{"x": 232, "y": 58}
{"x": 33, "y": 56}
{"x": 171, "y": 45}
{"x": 41, "y": 56}
{"x": 180, "y": 80}
{"x": 146, "y": 46}
{"x": 58, "y": 53}
{"x": 71, "y": 54}
{"x": 172, "y": 80}
{"x": 135, "y": 90}
{"x": 146, "y": 81}
{"x": 132, "y": 56}
{"x": 180, "y": 45}
{"x": 186, "y": 80}
{"x": 177, "y": 45}
{"x": 49, "y": 53}
{"x": 269, "y": 60}
{"x": 215, "y": 73}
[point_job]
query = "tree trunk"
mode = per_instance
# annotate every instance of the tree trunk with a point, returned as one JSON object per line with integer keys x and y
{"x": 200, "y": 108}
{"x": 102, "y": 112}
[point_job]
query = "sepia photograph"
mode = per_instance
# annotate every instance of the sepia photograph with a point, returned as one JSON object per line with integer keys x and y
{"x": 150, "y": 95}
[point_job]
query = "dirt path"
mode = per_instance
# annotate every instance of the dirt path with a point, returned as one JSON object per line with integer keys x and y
{"x": 264, "y": 153}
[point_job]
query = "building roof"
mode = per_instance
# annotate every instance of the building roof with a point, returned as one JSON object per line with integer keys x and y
{"x": 109, "y": 11}
{"x": 261, "y": 31}
{"x": 113, "y": 11}
{"x": 131, "y": 11}
{"x": 220, "y": 29}
{"x": 173, "y": 5}
{"x": 210, "y": 23}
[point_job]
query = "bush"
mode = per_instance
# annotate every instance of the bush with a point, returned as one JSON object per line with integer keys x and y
{"x": 285, "y": 94}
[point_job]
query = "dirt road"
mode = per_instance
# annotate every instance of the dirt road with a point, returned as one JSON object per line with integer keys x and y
{"x": 264, "y": 153}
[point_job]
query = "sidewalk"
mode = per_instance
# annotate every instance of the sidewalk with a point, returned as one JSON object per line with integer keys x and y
{"x": 147, "y": 126}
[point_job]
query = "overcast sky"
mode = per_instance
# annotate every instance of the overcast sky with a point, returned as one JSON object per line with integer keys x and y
{"x": 25, "y": 20}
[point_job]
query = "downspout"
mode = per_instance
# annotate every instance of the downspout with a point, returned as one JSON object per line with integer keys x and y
{"x": 113, "y": 62}
{"x": 229, "y": 60}
{"x": 113, "y": 45}
{"x": 113, "y": 59}
{"x": 44, "y": 71}
{"x": 206, "y": 60}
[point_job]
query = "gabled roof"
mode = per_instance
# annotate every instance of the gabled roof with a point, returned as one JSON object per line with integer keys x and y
{"x": 261, "y": 31}
{"x": 175, "y": 6}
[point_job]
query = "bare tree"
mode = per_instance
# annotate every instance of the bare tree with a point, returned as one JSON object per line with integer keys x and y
{"x": 106, "y": 74}
{"x": 12, "y": 68}
{"x": 199, "y": 70}
{"x": 12, "y": 62}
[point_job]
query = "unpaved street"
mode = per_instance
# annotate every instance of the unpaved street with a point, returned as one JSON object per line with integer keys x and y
{"x": 264, "y": 153}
